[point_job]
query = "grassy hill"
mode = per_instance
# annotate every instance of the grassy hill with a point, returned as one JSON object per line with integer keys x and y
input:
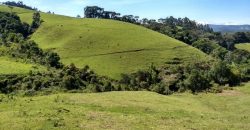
{"x": 109, "y": 47}
{"x": 11, "y": 66}
{"x": 244, "y": 46}
{"x": 128, "y": 110}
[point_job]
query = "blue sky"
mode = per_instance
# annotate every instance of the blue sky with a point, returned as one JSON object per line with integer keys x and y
{"x": 203, "y": 11}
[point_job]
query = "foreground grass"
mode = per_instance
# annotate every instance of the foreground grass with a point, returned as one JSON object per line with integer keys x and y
{"x": 244, "y": 46}
{"x": 128, "y": 110}
{"x": 11, "y": 66}
{"x": 107, "y": 46}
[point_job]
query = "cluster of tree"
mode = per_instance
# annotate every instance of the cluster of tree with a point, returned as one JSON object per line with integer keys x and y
{"x": 14, "y": 35}
{"x": 30, "y": 52}
{"x": 49, "y": 12}
{"x": 210, "y": 47}
{"x": 67, "y": 78}
{"x": 37, "y": 21}
{"x": 19, "y": 4}
{"x": 11, "y": 23}
{"x": 182, "y": 29}
{"x": 98, "y": 12}
{"x": 236, "y": 58}
{"x": 239, "y": 37}
{"x": 194, "y": 77}
{"x": 189, "y": 31}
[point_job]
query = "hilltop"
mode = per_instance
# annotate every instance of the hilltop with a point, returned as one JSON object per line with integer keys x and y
{"x": 109, "y": 47}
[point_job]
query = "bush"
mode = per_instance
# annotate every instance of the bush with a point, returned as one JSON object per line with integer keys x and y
{"x": 93, "y": 88}
{"x": 36, "y": 21}
{"x": 219, "y": 53}
{"x": 53, "y": 60}
{"x": 161, "y": 89}
{"x": 205, "y": 45}
{"x": 197, "y": 81}
{"x": 222, "y": 74}
{"x": 69, "y": 82}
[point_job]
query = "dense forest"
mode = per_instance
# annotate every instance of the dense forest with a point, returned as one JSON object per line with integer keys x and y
{"x": 229, "y": 66}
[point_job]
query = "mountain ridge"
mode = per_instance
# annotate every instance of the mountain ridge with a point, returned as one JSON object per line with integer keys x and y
{"x": 230, "y": 28}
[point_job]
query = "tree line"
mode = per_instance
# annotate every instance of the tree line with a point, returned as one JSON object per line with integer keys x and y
{"x": 98, "y": 12}
{"x": 19, "y": 4}
{"x": 200, "y": 76}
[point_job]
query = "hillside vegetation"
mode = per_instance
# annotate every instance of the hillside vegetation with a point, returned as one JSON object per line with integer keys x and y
{"x": 128, "y": 110}
{"x": 113, "y": 48}
{"x": 173, "y": 76}
{"x": 244, "y": 46}
{"x": 109, "y": 47}
{"x": 11, "y": 66}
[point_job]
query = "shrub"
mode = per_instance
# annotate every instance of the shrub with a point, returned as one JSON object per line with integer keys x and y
{"x": 69, "y": 82}
{"x": 197, "y": 81}
{"x": 205, "y": 45}
{"x": 222, "y": 74}
{"x": 53, "y": 60}
{"x": 161, "y": 89}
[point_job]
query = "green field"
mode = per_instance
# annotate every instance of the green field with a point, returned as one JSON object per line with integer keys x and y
{"x": 11, "y": 66}
{"x": 128, "y": 110}
{"x": 244, "y": 46}
{"x": 109, "y": 47}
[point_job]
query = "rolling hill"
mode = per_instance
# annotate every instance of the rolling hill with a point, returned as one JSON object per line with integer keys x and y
{"x": 109, "y": 47}
{"x": 128, "y": 110}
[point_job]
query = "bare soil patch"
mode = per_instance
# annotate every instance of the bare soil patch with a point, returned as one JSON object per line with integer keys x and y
{"x": 230, "y": 93}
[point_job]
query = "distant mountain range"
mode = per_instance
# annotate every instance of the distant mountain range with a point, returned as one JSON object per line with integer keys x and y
{"x": 230, "y": 28}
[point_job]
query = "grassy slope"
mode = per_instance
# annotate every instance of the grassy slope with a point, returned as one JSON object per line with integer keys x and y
{"x": 11, "y": 66}
{"x": 244, "y": 46}
{"x": 129, "y": 110}
{"x": 109, "y": 47}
